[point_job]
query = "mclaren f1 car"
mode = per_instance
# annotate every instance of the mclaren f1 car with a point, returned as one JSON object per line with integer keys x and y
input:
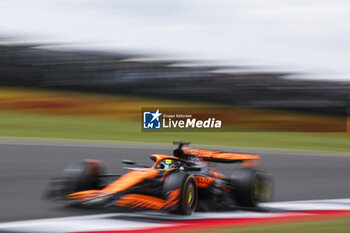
{"x": 180, "y": 183}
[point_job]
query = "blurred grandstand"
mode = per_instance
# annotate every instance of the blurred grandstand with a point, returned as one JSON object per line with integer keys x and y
{"x": 34, "y": 66}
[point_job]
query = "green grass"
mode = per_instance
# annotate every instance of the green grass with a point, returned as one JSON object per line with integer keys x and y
{"x": 69, "y": 127}
{"x": 341, "y": 225}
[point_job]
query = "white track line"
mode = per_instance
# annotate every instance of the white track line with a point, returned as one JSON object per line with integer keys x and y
{"x": 74, "y": 225}
{"x": 331, "y": 204}
{"x": 131, "y": 221}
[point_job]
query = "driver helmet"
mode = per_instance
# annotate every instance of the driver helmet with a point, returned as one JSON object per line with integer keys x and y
{"x": 169, "y": 164}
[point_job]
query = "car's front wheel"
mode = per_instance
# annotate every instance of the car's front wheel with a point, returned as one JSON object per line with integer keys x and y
{"x": 180, "y": 190}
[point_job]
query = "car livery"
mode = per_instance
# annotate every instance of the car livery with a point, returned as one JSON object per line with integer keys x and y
{"x": 180, "y": 183}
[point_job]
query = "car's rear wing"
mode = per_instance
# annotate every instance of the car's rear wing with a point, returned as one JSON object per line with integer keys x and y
{"x": 221, "y": 156}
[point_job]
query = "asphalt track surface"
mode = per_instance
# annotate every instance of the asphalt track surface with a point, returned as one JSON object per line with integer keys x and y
{"x": 25, "y": 169}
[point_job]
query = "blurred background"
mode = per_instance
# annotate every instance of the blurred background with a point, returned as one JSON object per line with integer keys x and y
{"x": 100, "y": 62}
{"x": 76, "y": 70}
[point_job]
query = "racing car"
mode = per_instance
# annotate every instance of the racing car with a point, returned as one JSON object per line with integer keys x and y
{"x": 179, "y": 183}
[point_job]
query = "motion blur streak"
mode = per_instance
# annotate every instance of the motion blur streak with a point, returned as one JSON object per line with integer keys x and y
{"x": 26, "y": 169}
{"x": 74, "y": 69}
{"x": 27, "y": 65}
{"x": 302, "y": 36}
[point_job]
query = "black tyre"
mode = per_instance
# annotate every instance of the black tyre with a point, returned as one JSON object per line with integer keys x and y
{"x": 251, "y": 187}
{"x": 76, "y": 177}
{"x": 188, "y": 193}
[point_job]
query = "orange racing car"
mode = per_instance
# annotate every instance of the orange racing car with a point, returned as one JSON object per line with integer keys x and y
{"x": 180, "y": 183}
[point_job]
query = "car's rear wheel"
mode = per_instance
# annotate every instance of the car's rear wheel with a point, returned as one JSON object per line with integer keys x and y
{"x": 251, "y": 187}
{"x": 77, "y": 176}
{"x": 184, "y": 186}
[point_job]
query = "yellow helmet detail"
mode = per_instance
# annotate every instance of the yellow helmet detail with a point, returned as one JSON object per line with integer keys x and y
{"x": 168, "y": 161}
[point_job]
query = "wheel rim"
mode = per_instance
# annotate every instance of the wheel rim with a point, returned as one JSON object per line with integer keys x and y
{"x": 262, "y": 188}
{"x": 190, "y": 192}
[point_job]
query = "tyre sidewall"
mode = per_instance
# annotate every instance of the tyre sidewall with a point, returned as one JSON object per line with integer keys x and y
{"x": 244, "y": 182}
{"x": 182, "y": 181}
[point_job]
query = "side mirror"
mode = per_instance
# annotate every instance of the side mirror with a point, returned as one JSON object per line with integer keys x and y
{"x": 129, "y": 162}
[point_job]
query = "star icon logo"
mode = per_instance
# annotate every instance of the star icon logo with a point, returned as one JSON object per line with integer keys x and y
{"x": 156, "y": 115}
{"x": 151, "y": 119}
